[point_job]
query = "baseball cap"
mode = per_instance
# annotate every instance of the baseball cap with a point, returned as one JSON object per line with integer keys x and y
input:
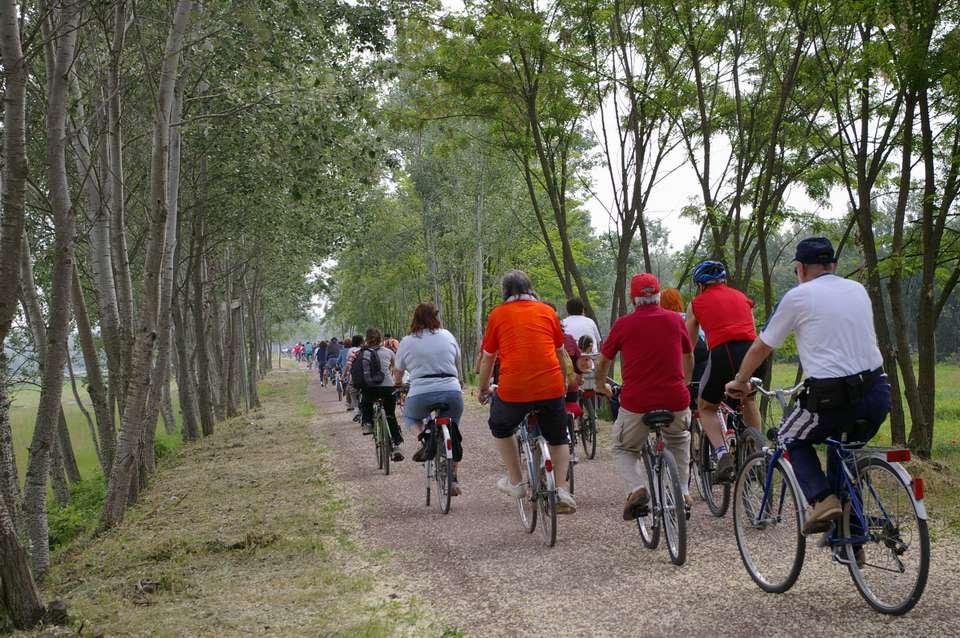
{"x": 644, "y": 285}
{"x": 815, "y": 250}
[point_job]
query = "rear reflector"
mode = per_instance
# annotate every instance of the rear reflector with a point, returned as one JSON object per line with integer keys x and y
{"x": 548, "y": 465}
{"x": 589, "y": 394}
{"x": 696, "y": 414}
{"x": 449, "y": 444}
{"x": 918, "y": 489}
{"x": 898, "y": 456}
{"x": 443, "y": 420}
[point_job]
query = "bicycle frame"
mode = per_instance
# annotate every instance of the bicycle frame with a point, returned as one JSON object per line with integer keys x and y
{"x": 530, "y": 436}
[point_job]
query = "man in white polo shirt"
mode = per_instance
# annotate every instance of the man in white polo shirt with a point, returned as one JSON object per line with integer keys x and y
{"x": 845, "y": 383}
{"x": 578, "y": 325}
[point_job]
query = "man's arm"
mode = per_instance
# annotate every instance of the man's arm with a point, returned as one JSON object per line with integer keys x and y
{"x": 603, "y": 364}
{"x": 397, "y": 376}
{"x": 567, "y": 373}
{"x": 693, "y": 324}
{"x": 483, "y": 382}
{"x": 751, "y": 361}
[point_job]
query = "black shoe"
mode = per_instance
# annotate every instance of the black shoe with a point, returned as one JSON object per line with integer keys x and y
{"x": 423, "y": 454}
{"x": 726, "y": 468}
{"x": 366, "y": 428}
{"x": 397, "y": 455}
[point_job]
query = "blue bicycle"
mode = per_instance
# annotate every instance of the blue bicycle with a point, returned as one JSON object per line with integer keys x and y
{"x": 882, "y": 537}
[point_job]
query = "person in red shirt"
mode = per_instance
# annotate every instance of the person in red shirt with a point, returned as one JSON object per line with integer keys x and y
{"x": 526, "y": 336}
{"x": 657, "y": 363}
{"x": 726, "y": 316}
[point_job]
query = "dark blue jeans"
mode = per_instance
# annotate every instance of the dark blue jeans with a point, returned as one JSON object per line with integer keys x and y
{"x": 802, "y": 429}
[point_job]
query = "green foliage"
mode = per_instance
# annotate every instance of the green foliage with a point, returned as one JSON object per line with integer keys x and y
{"x": 80, "y": 515}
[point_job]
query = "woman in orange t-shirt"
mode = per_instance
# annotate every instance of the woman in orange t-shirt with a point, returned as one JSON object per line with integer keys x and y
{"x": 526, "y": 336}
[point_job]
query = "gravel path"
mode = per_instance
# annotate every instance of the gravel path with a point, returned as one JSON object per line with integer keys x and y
{"x": 485, "y": 575}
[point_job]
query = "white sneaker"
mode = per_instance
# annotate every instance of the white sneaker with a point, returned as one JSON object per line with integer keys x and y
{"x": 508, "y": 488}
{"x": 565, "y": 502}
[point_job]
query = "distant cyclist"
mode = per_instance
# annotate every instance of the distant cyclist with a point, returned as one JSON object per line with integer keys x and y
{"x": 833, "y": 321}
{"x": 308, "y": 354}
{"x": 429, "y": 354}
{"x": 578, "y": 325}
{"x": 726, "y": 316}
{"x": 657, "y": 361}
{"x": 383, "y": 391}
{"x": 330, "y": 360}
{"x": 526, "y": 336}
{"x": 320, "y": 356}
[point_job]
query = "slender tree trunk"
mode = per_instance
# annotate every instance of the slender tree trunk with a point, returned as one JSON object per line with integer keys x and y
{"x": 123, "y": 472}
{"x": 91, "y": 427}
{"x": 186, "y": 384}
{"x": 66, "y": 447}
{"x": 204, "y": 395}
{"x": 18, "y": 591}
{"x": 9, "y": 479}
{"x": 102, "y": 406}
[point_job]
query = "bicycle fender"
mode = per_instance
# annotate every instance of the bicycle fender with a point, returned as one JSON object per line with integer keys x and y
{"x": 447, "y": 444}
{"x": 792, "y": 477}
{"x": 544, "y": 455}
{"x": 908, "y": 481}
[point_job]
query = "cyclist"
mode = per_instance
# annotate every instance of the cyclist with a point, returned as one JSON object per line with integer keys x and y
{"x": 429, "y": 354}
{"x": 320, "y": 356}
{"x": 389, "y": 341}
{"x": 657, "y": 363}
{"x": 331, "y": 358}
{"x": 577, "y": 325}
{"x": 382, "y": 391}
{"x": 353, "y": 399}
{"x": 298, "y": 352}
{"x": 525, "y": 335}
{"x": 833, "y": 322}
{"x": 726, "y": 316}
{"x": 308, "y": 354}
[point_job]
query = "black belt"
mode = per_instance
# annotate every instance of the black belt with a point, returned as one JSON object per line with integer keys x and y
{"x": 863, "y": 379}
{"x": 441, "y": 375}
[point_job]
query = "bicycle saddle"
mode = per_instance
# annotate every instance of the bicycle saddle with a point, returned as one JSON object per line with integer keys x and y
{"x": 658, "y": 418}
{"x": 437, "y": 407}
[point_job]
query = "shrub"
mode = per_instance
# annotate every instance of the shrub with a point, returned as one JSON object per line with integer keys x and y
{"x": 80, "y": 515}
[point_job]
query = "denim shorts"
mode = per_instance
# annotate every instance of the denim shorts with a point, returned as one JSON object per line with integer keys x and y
{"x": 415, "y": 408}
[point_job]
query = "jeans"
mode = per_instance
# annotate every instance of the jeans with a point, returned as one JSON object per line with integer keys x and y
{"x": 802, "y": 429}
{"x": 415, "y": 409}
{"x": 629, "y": 435}
{"x": 389, "y": 401}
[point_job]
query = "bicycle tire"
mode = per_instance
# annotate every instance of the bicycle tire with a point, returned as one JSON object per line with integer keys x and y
{"x": 443, "y": 474}
{"x": 428, "y": 466}
{"x": 571, "y": 474}
{"x": 648, "y": 525}
{"x": 386, "y": 448}
{"x": 339, "y": 391}
{"x": 887, "y": 537}
{"x": 377, "y": 443}
{"x": 547, "y": 503}
{"x": 716, "y": 495}
{"x": 785, "y": 542}
{"x": 527, "y": 504}
{"x": 588, "y": 435}
{"x": 672, "y": 510}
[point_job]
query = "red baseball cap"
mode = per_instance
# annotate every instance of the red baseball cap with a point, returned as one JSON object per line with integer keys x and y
{"x": 644, "y": 285}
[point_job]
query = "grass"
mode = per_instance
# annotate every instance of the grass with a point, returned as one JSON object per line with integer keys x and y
{"x": 242, "y": 533}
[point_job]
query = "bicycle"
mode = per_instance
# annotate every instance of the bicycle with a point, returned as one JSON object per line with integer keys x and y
{"x": 540, "y": 499}
{"x": 381, "y": 438}
{"x": 666, "y": 497}
{"x": 587, "y": 421}
{"x": 743, "y": 442}
{"x": 439, "y": 467}
{"x": 883, "y": 525}
{"x": 573, "y": 412}
{"x": 341, "y": 389}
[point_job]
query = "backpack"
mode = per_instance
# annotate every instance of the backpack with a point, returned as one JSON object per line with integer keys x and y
{"x": 365, "y": 378}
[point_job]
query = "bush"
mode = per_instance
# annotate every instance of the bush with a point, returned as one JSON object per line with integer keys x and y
{"x": 165, "y": 445}
{"x": 80, "y": 515}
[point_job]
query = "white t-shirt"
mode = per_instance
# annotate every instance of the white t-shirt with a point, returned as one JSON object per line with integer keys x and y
{"x": 833, "y": 320}
{"x": 579, "y": 325}
{"x": 430, "y": 353}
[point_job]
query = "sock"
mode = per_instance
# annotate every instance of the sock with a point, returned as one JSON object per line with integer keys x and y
{"x": 721, "y": 451}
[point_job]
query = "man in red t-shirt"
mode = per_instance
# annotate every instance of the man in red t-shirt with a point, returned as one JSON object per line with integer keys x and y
{"x": 657, "y": 364}
{"x": 526, "y": 336}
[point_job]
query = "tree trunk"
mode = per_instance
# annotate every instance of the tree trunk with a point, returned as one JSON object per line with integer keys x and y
{"x": 205, "y": 401}
{"x": 186, "y": 384}
{"x": 9, "y": 480}
{"x": 91, "y": 427}
{"x": 102, "y": 407}
{"x": 18, "y": 591}
{"x": 132, "y": 424}
{"x": 66, "y": 448}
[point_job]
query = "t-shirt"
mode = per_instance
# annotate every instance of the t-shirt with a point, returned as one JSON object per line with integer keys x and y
{"x": 386, "y": 364}
{"x": 833, "y": 320}
{"x": 525, "y": 335}
{"x": 579, "y": 325}
{"x": 652, "y": 341}
{"x": 725, "y": 314}
{"x": 321, "y": 353}
{"x": 333, "y": 349}
{"x": 429, "y": 353}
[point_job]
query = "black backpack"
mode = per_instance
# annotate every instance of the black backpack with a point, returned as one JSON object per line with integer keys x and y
{"x": 372, "y": 375}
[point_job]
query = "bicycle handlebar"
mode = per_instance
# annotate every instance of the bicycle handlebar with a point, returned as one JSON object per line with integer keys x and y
{"x": 757, "y": 384}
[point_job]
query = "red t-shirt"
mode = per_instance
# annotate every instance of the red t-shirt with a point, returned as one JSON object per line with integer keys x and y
{"x": 653, "y": 342}
{"x": 725, "y": 314}
{"x": 526, "y": 335}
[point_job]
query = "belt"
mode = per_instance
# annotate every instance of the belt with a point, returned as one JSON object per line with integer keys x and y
{"x": 865, "y": 378}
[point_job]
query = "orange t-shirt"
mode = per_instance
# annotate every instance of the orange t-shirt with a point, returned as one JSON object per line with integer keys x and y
{"x": 526, "y": 335}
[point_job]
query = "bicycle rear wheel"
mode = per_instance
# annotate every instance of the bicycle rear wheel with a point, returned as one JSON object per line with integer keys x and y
{"x": 716, "y": 495}
{"x": 339, "y": 391}
{"x": 649, "y": 525}
{"x": 547, "y": 503}
{"x": 896, "y": 553}
{"x": 571, "y": 424}
{"x": 428, "y": 468}
{"x": 767, "y": 525}
{"x": 377, "y": 443}
{"x": 386, "y": 448}
{"x": 527, "y": 504}
{"x": 443, "y": 474}
{"x": 588, "y": 433}
{"x": 672, "y": 509}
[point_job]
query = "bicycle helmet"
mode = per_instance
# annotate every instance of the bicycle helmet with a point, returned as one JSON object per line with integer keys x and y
{"x": 708, "y": 272}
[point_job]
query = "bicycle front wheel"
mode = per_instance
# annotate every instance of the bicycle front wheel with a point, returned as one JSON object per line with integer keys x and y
{"x": 571, "y": 424}
{"x": 890, "y": 559}
{"x": 716, "y": 495}
{"x": 766, "y": 521}
{"x": 588, "y": 433}
{"x": 527, "y": 504}
{"x": 672, "y": 509}
{"x": 385, "y": 446}
{"x": 648, "y": 524}
{"x": 443, "y": 474}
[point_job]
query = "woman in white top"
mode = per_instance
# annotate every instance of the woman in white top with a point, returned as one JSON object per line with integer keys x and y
{"x": 429, "y": 354}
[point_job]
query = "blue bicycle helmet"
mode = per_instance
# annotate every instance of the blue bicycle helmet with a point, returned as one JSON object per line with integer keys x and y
{"x": 708, "y": 272}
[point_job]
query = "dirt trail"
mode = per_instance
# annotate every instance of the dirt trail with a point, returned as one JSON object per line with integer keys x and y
{"x": 479, "y": 570}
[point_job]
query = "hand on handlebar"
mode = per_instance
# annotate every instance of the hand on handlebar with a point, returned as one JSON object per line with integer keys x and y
{"x": 737, "y": 389}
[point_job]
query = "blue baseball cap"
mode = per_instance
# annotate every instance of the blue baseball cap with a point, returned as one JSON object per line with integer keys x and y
{"x": 815, "y": 250}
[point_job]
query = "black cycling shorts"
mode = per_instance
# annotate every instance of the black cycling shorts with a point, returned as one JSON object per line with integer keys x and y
{"x": 505, "y": 417}
{"x": 722, "y": 365}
